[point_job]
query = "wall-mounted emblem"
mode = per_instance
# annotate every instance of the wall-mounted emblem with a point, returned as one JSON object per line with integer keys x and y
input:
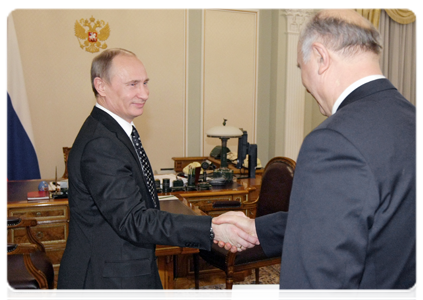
{"x": 91, "y": 34}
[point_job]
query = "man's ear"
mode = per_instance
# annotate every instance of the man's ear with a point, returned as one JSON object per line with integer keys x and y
{"x": 322, "y": 55}
{"x": 99, "y": 85}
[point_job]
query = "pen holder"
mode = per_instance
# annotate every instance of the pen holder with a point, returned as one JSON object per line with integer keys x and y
{"x": 166, "y": 185}
{"x": 177, "y": 185}
{"x": 158, "y": 185}
{"x": 191, "y": 180}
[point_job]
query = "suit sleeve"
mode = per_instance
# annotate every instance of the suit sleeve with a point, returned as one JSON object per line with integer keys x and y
{"x": 330, "y": 215}
{"x": 271, "y": 231}
{"x": 111, "y": 178}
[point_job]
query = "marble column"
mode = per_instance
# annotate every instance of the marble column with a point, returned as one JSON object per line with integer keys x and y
{"x": 295, "y": 91}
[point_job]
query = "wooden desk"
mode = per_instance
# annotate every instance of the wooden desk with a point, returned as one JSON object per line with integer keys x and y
{"x": 166, "y": 254}
{"x": 53, "y": 226}
{"x": 243, "y": 191}
{"x": 241, "y": 195}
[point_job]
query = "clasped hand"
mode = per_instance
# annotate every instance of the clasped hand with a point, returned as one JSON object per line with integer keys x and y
{"x": 235, "y": 231}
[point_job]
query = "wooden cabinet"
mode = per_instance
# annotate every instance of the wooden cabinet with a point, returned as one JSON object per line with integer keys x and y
{"x": 52, "y": 229}
{"x": 214, "y": 203}
{"x": 181, "y": 162}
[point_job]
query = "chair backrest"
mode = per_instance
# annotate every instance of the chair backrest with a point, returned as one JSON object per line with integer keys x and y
{"x": 276, "y": 186}
{"x": 66, "y": 151}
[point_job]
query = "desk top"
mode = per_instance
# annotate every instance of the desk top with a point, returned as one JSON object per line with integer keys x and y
{"x": 17, "y": 190}
{"x": 17, "y": 194}
{"x": 176, "y": 207}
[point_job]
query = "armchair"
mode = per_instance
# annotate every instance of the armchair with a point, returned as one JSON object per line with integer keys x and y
{"x": 28, "y": 266}
{"x": 274, "y": 196}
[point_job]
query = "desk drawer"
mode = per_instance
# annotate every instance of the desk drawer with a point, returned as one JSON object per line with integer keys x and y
{"x": 45, "y": 233}
{"x": 209, "y": 199}
{"x": 199, "y": 200}
{"x": 215, "y": 210}
{"x": 48, "y": 213}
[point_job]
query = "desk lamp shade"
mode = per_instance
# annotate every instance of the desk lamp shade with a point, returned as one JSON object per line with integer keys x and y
{"x": 224, "y": 133}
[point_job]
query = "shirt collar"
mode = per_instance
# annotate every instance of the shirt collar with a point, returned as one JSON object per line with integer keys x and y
{"x": 127, "y": 127}
{"x": 351, "y": 88}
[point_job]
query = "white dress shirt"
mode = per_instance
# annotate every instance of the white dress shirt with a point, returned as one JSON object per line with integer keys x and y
{"x": 127, "y": 127}
{"x": 351, "y": 88}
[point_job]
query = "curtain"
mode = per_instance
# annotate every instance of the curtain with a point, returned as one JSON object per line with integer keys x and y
{"x": 373, "y": 15}
{"x": 397, "y": 28}
{"x": 401, "y": 16}
{"x": 398, "y": 59}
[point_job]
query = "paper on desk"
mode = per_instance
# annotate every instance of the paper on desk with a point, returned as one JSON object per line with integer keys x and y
{"x": 254, "y": 291}
{"x": 167, "y": 197}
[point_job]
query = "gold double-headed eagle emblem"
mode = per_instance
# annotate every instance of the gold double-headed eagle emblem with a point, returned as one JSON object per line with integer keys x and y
{"x": 92, "y": 33}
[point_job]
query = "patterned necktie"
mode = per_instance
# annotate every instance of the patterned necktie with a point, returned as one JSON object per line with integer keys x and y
{"x": 145, "y": 164}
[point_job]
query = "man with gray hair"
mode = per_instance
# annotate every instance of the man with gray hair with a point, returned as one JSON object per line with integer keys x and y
{"x": 352, "y": 215}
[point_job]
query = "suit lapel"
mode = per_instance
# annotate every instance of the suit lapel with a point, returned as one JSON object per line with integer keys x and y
{"x": 367, "y": 89}
{"x": 110, "y": 123}
{"x": 114, "y": 127}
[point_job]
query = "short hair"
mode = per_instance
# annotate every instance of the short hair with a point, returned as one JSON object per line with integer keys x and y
{"x": 339, "y": 35}
{"x": 101, "y": 64}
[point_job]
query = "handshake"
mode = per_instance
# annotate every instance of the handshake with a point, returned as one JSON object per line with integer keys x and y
{"x": 234, "y": 231}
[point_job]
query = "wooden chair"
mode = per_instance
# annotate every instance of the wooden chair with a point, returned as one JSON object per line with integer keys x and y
{"x": 28, "y": 266}
{"x": 66, "y": 151}
{"x": 274, "y": 196}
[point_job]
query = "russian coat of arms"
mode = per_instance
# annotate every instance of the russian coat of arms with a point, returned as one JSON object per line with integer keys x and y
{"x": 92, "y": 34}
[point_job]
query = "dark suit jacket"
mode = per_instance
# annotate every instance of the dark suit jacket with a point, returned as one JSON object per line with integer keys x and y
{"x": 114, "y": 226}
{"x": 352, "y": 215}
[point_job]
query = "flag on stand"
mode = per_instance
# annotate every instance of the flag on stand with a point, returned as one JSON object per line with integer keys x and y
{"x": 22, "y": 162}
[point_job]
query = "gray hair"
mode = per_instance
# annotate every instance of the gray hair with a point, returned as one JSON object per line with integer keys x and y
{"x": 100, "y": 67}
{"x": 339, "y": 35}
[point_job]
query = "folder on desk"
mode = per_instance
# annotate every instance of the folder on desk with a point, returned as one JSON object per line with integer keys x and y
{"x": 38, "y": 195}
{"x": 168, "y": 197}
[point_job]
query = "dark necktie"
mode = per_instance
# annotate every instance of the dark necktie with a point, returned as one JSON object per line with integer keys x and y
{"x": 145, "y": 164}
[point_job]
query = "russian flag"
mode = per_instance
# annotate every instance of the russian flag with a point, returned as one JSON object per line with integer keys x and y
{"x": 22, "y": 162}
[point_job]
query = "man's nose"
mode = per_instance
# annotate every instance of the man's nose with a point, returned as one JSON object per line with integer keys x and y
{"x": 143, "y": 92}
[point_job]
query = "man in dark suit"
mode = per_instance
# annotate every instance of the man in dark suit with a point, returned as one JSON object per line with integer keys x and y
{"x": 352, "y": 215}
{"x": 115, "y": 217}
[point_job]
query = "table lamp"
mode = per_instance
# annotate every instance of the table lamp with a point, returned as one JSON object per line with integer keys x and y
{"x": 224, "y": 133}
